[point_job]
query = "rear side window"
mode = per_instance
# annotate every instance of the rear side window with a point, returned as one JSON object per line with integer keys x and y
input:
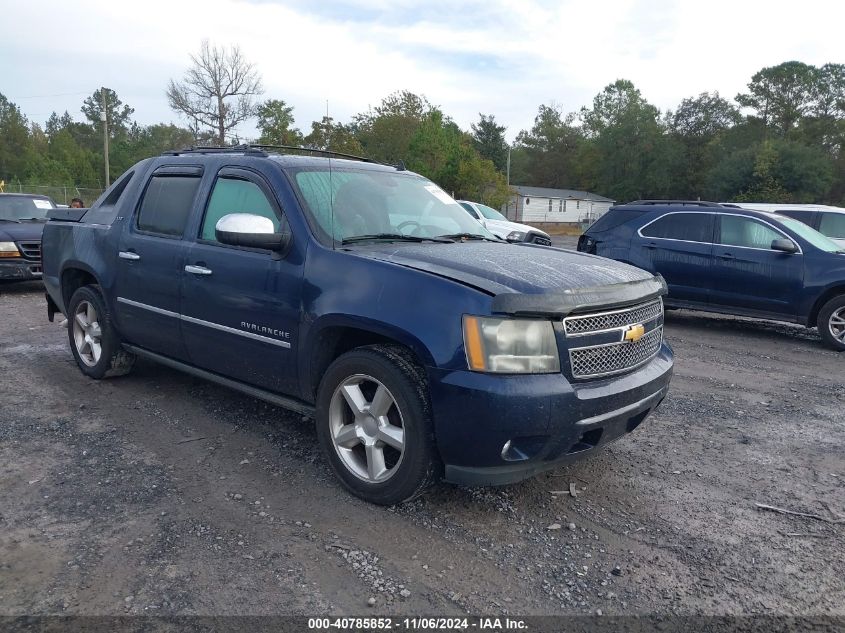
{"x": 469, "y": 209}
{"x": 833, "y": 225}
{"x": 747, "y": 232}
{"x": 689, "y": 227}
{"x": 167, "y": 204}
{"x": 802, "y": 216}
{"x": 612, "y": 219}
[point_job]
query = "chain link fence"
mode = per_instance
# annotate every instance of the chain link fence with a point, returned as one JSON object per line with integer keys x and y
{"x": 61, "y": 194}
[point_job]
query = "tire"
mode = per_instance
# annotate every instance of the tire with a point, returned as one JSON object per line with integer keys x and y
{"x": 387, "y": 456}
{"x": 93, "y": 340}
{"x": 831, "y": 323}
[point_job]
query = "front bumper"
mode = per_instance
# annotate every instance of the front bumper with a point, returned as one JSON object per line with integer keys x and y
{"x": 494, "y": 430}
{"x": 19, "y": 270}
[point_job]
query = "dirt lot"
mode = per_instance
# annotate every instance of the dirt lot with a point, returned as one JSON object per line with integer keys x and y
{"x": 160, "y": 493}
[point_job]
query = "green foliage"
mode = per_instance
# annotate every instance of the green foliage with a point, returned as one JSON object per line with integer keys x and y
{"x": 275, "y": 122}
{"x": 118, "y": 114}
{"x": 785, "y": 145}
{"x": 336, "y": 137}
{"x": 489, "y": 140}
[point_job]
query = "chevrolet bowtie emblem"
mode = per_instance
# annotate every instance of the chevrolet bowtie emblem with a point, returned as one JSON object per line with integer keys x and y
{"x": 634, "y": 333}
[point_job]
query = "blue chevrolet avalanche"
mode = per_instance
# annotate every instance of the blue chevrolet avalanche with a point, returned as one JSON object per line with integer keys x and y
{"x": 364, "y": 296}
{"x": 723, "y": 258}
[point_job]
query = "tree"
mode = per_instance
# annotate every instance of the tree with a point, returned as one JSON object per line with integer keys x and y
{"x": 546, "y": 155}
{"x": 217, "y": 91}
{"x": 327, "y": 135}
{"x": 781, "y": 95}
{"x": 117, "y": 113}
{"x": 386, "y": 131}
{"x": 14, "y": 140}
{"x": 489, "y": 139}
{"x": 698, "y": 125}
{"x": 633, "y": 157}
{"x": 275, "y": 121}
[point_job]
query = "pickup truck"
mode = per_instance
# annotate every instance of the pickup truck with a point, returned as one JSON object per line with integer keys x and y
{"x": 364, "y": 296}
{"x": 22, "y": 219}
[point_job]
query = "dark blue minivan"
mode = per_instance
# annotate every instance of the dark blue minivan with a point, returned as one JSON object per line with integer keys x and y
{"x": 723, "y": 258}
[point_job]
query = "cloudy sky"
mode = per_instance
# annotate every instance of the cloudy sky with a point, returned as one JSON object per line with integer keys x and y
{"x": 502, "y": 57}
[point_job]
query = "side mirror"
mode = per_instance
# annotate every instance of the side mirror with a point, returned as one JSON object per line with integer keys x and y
{"x": 251, "y": 231}
{"x": 784, "y": 245}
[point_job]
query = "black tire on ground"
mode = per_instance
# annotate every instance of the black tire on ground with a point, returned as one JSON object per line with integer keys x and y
{"x": 395, "y": 368}
{"x": 829, "y": 324}
{"x": 113, "y": 360}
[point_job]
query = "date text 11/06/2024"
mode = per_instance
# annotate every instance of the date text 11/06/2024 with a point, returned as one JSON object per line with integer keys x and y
{"x": 416, "y": 624}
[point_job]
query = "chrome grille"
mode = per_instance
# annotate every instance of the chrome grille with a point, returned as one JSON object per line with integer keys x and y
{"x": 602, "y": 360}
{"x": 600, "y": 322}
{"x": 30, "y": 250}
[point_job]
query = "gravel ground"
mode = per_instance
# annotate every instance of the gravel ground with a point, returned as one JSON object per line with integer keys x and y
{"x": 159, "y": 493}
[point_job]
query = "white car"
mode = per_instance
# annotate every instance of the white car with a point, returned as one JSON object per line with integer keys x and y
{"x": 500, "y": 226}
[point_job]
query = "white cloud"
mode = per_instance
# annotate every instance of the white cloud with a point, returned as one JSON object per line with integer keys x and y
{"x": 504, "y": 57}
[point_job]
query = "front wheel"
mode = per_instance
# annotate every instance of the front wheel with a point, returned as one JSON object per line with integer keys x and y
{"x": 831, "y": 323}
{"x": 93, "y": 340}
{"x": 374, "y": 424}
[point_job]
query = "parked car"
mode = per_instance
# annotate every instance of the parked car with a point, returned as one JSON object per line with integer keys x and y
{"x": 731, "y": 260}
{"x": 500, "y": 226}
{"x": 22, "y": 218}
{"x": 365, "y": 296}
{"x": 827, "y": 220}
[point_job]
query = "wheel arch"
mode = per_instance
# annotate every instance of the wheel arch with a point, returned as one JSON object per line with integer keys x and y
{"x": 823, "y": 298}
{"x": 335, "y": 336}
{"x": 75, "y": 275}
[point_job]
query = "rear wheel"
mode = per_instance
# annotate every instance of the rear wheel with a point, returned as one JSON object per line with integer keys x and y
{"x": 93, "y": 340}
{"x": 374, "y": 424}
{"x": 831, "y": 323}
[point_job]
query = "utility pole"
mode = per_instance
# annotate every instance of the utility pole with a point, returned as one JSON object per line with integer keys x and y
{"x": 509, "y": 166}
{"x": 105, "y": 119}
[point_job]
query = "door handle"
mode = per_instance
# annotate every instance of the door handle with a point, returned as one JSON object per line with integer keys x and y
{"x": 650, "y": 246}
{"x": 726, "y": 256}
{"x": 197, "y": 270}
{"x": 133, "y": 257}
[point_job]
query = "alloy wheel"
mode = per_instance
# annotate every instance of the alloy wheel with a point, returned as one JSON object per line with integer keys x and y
{"x": 87, "y": 335}
{"x": 366, "y": 428}
{"x": 836, "y": 323}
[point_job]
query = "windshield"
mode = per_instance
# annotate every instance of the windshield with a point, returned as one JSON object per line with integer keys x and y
{"x": 21, "y": 208}
{"x": 490, "y": 213}
{"x": 811, "y": 235}
{"x": 348, "y": 204}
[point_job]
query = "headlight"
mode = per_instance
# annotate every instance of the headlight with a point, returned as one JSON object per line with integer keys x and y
{"x": 515, "y": 236}
{"x": 510, "y": 346}
{"x": 8, "y": 249}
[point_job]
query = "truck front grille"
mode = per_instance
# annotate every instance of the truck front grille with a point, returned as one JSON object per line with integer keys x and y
{"x": 614, "y": 358}
{"x": 616, "y": 319}
{"x": 30, "y": 250}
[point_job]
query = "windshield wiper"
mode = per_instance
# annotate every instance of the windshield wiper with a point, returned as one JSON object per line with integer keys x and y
{"x": 470, "y": 236}
{"x": 398, "y": 237}
{"x": 31, "y": 219}
{"x": 10, "y": 220}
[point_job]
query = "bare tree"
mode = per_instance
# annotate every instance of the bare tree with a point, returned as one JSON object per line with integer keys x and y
{"x": 217, "y": 90}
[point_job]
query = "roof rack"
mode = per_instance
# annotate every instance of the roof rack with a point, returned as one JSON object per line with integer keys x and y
{"x": 215, "y": 149}
{"x": 688, "y": 203}
{"x": 258, "y": 149}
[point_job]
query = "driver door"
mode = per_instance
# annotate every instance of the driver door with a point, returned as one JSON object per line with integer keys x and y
{"x": 241, "y": 306}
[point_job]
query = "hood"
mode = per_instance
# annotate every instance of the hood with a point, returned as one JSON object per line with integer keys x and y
{"x": 507, "y": 226}
{"x": 25, "y": 231}
{"x": 526, "y": 279}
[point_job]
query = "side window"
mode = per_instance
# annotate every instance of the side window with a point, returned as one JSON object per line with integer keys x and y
{"x": 233, "y": 195}
{"x": 747, "y": 232}
{"x": 833, "y": 225}
{"x": 689, "y": 227}
{"x": 469, "y": 209}
{"x": 802, "y": 216}
{"x": 167, "y": 204}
